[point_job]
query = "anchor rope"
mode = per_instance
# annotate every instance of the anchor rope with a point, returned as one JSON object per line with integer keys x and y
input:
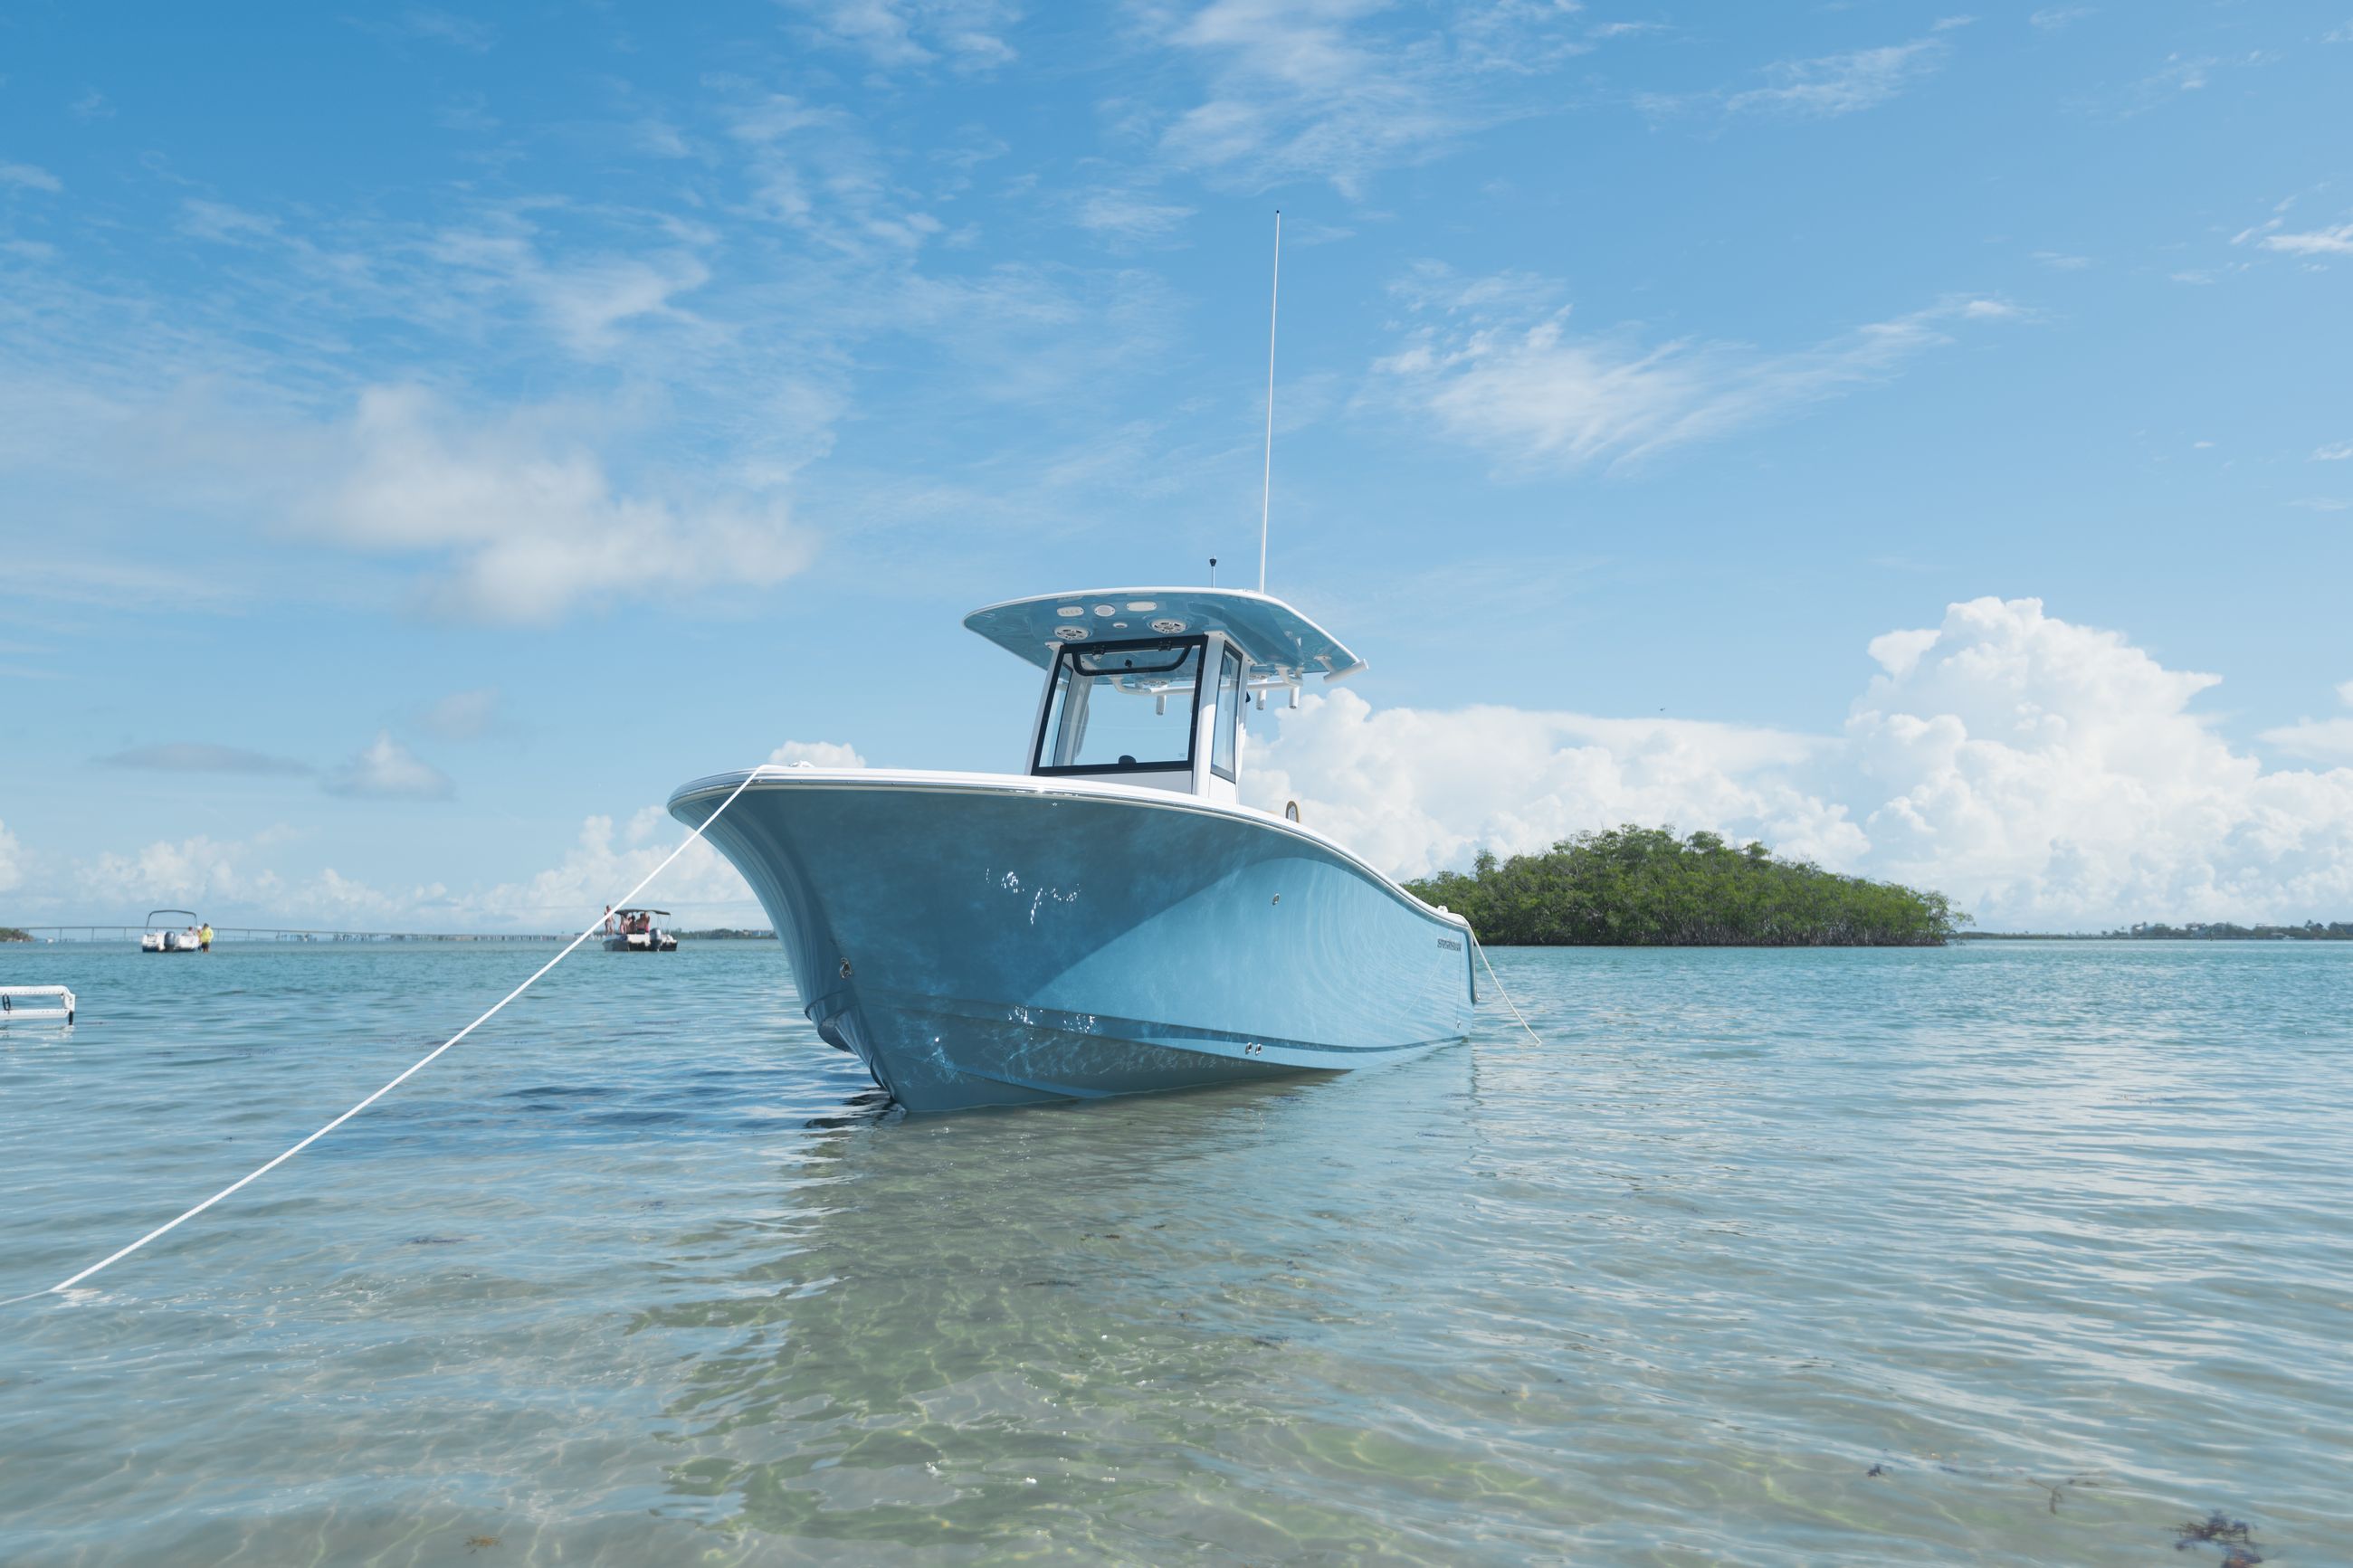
{"x": 259, "y": 1172}
{"x": 1482, "y": 949}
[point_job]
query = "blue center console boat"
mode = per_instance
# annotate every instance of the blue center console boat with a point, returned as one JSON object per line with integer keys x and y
{"x": 1114, "y": 920}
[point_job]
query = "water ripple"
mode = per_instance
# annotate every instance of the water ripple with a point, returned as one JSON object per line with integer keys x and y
{"x": 2018, "y": 1253}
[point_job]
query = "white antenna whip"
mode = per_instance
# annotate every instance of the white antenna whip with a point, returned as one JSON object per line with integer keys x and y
{"x": 1266, "y": 482}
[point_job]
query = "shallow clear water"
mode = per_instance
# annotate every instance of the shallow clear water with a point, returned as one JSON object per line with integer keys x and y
{"x": 2057, "y": 1238}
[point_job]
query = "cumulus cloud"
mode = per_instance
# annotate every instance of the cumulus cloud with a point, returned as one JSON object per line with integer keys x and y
{"x": 233, "y": 881}
{"x": 2040, "y": 769}
{"x": 1415, "y": 791}
{"x": 817, "y": 754}
{"x": 12, "y": 859}
{"x": 386, "y": 770}
{"x": 1495, "y": 367}
{"x": 2046, "y": 773}
{"x": 2333, "y": 452}
{"x": 202, "y": 757}
{"x": 524, "y": 517}
{"x": 202, "y": 872}
{"x": 600, "y": 869}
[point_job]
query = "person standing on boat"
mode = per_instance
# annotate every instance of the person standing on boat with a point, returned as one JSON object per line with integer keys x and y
{"x": 204, "y": 937}
{"x": 608, "y": 920}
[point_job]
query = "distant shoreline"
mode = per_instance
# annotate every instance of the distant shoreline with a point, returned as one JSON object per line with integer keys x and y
{"x": 102, "y": 934}
{"x": 2335, "y": 931}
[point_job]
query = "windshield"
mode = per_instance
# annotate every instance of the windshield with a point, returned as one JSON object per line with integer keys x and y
{"x": 1122, "y": 705}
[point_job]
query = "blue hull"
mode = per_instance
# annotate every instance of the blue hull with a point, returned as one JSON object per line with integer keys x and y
{"x": 987, "y": 941}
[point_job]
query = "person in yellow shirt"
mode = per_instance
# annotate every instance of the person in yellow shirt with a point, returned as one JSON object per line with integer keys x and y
{"x": 204, "y": 937}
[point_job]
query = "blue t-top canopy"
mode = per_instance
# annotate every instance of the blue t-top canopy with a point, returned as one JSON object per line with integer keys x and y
{"x": 1275, "y": 637}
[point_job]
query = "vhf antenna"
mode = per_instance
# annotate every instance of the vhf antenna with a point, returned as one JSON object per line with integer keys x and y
{"x": 1266, "y": 480}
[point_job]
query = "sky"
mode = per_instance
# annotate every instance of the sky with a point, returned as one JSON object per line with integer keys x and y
{"x": 1919, "y": 436}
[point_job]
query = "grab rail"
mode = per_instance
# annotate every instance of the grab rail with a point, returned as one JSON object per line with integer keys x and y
{"x": 64, "y": 1007}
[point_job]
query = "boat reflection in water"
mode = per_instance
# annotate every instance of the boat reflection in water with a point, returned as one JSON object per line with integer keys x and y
{"x": 1177, "y": 1318}
{"x": 1114, "y": 920}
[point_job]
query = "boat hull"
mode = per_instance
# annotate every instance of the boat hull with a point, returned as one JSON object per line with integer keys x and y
{"x": 990, "y": 939}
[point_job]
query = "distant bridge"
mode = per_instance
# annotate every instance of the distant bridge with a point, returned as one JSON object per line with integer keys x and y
{"x": 276, "y": 933}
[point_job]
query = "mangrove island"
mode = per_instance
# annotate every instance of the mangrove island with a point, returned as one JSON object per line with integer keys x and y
{"x": 1643, "y": 887}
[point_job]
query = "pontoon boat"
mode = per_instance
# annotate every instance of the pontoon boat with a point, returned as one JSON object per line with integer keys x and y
{"x": 162, "y": 938}
{"x": 1113, "y": 919}
{"x": 633, "y": 931}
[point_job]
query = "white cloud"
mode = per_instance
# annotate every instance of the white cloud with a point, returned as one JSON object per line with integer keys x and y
{"x": 597, "y": 870}
{"x": 388, "y": 770}
{"x": 12, "y": 859}
{"x": 25, "y": 177}
{"x": 1338, "y": 90}
{"x": 1843, "y": 83}
{"x": 2053, "y": 18}
{"x": 2180, "y": 73}
{"x": 1415, "y": 791}
{"x": 584, "y": 301}
{"x": 1501, "y": 376}
{"x": 2049, "y": 773}
{"x": 813, "y": 168}
{"x": 245, "y": 882}
{"x": 2333, "y": 452}
{"x": 2046, "y": 775}
{"x": 817, "y": 754}
{"x": 2337, "y": 241}
{"x": 231, "y": 882}
{"x": 895, "y": 33}
{"x": 1124, "y": 215}
{"x": 526, "y": 519}
{"x": 2318, "y": 740}
{"x": 199, "y": 872}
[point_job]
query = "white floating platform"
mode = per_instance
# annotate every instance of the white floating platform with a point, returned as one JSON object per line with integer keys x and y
{"x": 30, "y": 1002}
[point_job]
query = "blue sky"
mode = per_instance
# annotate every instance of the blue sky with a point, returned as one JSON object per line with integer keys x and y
{"x": 428, "y": 434}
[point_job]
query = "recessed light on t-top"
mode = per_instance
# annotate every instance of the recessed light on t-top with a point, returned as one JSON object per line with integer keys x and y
{"x": 1072, "y": 610}
{"x": 1141, "y": 605}
{"x": 1106, "y": 609}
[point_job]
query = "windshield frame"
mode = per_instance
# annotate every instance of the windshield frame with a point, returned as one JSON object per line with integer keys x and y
{"x": 1066, "y": 662}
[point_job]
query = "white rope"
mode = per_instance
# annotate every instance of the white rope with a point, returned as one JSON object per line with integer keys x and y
{"x": 65, "y": 1285}
{"x": 1506, "y": 995}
